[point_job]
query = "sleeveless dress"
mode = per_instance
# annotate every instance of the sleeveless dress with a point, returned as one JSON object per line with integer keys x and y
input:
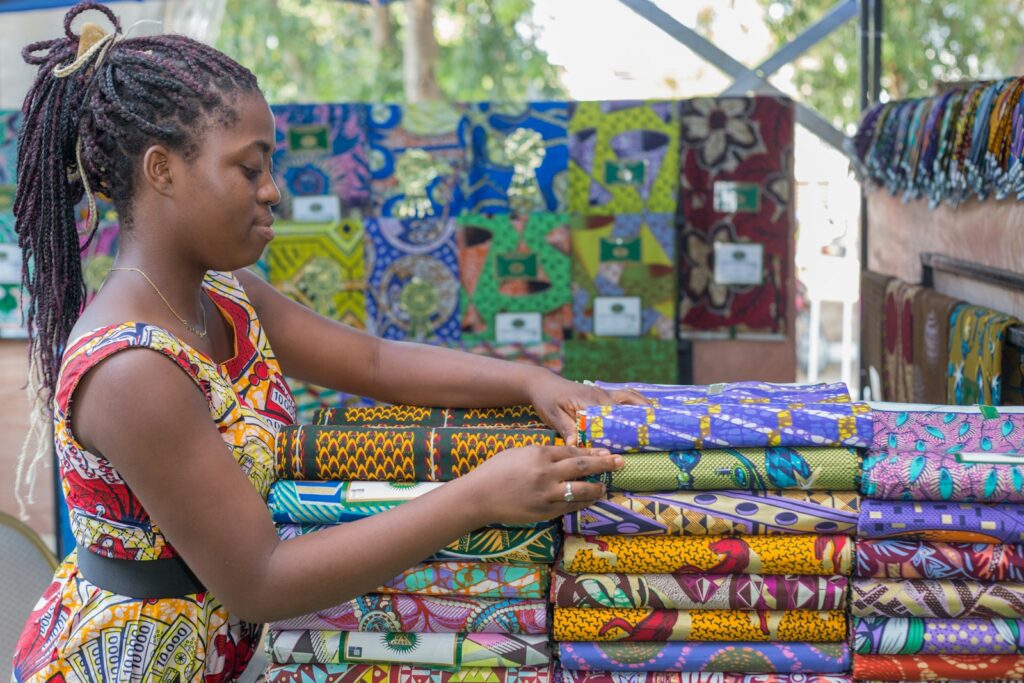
{"x": 79, "y": 632}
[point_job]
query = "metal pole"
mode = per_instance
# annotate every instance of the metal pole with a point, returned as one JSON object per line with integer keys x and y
{"x": 876, "y": 51}
{"x": 865, "y": 46}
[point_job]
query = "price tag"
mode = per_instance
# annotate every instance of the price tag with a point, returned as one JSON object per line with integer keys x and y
{"x": 319, "y": 208}
{"x": 732, "y": 197}
{"x": 739, "y": 264}
{"x": 618, "y": 316}
{"x": 518, "y": 328}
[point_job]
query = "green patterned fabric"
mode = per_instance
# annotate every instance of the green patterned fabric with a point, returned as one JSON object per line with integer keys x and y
{"x": 613, "y": 359}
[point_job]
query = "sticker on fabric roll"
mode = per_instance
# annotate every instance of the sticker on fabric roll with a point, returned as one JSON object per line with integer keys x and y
{"x": 620, "y": 250}
{"x": 425, "y": 649}
{"x": 518, "y": 328}
{"x": 386, "y": 492}
{"x": 739, "y": 264}
{"x": 988, "y": 412}
{"x": 983, "y": 458}
{"x": 732, "y": 197}
{"x": 617, "y": 316}
{"x": 315, "y": 138}
{"x": 625, "y": 172}
{"x": 516, "y": 266}
{"x": 321, "y": 208}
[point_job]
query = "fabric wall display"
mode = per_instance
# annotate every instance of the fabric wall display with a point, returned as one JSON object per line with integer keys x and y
{"x": 425, "y": 649}
{"x": 321, "y": 266}
{"x": 908, "y": 428}
{"x": 938, "y": 667}
{"x": 809, "y": 555}
{"x": 12, "y": 300}
{"x": 883, "y": 636}
{"x": 426, "y": 614}
{"x": 394, "y": 454}
{"x": 718, "y": 513}
{"x": 418, "y": 159}
{"x": 413, "y": 279}
{"x": 406, "y": 673}
{"x": 725, "y": 657}
{"x": 508, "y": 546}
{"x": 936, "y": 599}
{"x": 900, "y": 559}
{"x": 942, "y": 477}
{"x": 10, "y": 123}
{"x": 872, "y": 300}
{"x": 515, "y": 264}
{"x": 626, "y": 255}
{"x": 626, "y": 428}
{"x": 736, "y": 187}
{"x": 320, "y": 150}
{"x": 518, "y": 157}
{"x": 976, "y": 341}
{"x": 566, "y": 676}
{"x": 523, "y": 417}
{"x": 933, "y": 312}
{"x": 573, "y": 624}
{"x": 623, "y": 157}
{"x": 98, "y": 253}
{"x": 699, "y": 591}
{"x": 542, "y": 354}
{"x": 737, "y": 392}
{"x": 950, "y": 522}
{"x": 898, "y": 341}
{"x": 614, "y": 358}
{"x": 751, "y": 469}
{"x": 472, "y": 579}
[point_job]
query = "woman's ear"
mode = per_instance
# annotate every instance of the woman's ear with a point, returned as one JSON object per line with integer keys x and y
{"x": 156, "y": 169}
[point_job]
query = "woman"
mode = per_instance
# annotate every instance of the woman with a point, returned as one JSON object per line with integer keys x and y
{"x": 177, "y": 561}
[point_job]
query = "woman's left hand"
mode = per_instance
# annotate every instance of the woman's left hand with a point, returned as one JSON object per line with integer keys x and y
{"x": 557, "y": 400}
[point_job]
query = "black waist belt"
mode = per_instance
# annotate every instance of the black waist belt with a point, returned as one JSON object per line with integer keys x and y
{"x": 139, "y": 579}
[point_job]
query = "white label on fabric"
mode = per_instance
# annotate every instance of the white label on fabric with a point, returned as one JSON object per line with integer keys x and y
{"x": 424, "y": 649}
{"x": 739, "y": 264}
{"x": 10, "y": 264}
{"x": 983, "y": 458}
{"x": 386, "y": 492}
{"x": 617, "y": 316}
{"x": 518, "y": 328}
{"x": 320, "y": 208}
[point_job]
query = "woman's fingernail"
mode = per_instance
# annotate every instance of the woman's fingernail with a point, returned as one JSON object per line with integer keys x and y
{"x": 619, "y": 462}
{"x": 604, "y": 453}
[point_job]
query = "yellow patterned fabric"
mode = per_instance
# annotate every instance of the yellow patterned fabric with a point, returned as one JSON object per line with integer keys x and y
{"x": 807, "y": 555}
{"x": 576, "y": 624}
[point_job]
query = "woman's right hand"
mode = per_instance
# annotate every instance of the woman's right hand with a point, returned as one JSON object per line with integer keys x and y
{"x": 526, "y": 485}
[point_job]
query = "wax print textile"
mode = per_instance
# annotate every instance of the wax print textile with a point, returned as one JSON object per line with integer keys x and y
{"x": 949, "y": 522}
{"x": 884, "y": 636}
{"x": 725, "y": 657}
{"x": 936, "y": 598}
{"x": 984, "y": 478}
{"x": 903, "y": 559}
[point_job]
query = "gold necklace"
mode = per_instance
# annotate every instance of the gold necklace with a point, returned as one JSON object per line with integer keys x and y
{"x": 188, "y": 326}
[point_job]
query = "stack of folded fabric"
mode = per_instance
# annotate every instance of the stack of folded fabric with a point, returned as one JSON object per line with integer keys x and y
{"x": 723, "y": 545}
{"x": 938, "y": 592}
{"x": 476, "y": 610}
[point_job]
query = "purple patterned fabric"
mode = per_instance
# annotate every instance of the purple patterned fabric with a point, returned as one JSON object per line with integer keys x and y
{"x": 912, "y": 428}
{"x": 883, "y": 636}
{"x": 738, "y": 392}
{"x": 950, "y": 522}
{"x": 899, "y": 559}
{"x": 691, "y": 656}
{"x": 943, "y": 477}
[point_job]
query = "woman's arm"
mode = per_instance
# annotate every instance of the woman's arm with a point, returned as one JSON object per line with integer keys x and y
{"x": 315, "y": 349}
{"x": 147, "y": 417}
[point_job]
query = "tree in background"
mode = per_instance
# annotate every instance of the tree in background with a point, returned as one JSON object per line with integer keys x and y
{"x": 415, "y": 50}
{"x": 927, "y": 42}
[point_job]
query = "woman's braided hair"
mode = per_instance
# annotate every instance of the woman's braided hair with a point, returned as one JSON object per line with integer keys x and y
{"x": 94, "y": 115}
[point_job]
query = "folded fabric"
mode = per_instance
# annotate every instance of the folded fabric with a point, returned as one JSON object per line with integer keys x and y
{"x": 737, "y": 392}
{"x": 976, "y": 339}
{"x": 699, "y": 591}
{"x": 938, "y": 667}
{"x": 872, "y": 301}
{"x": 882, "y": 636}
{"x": 332, "y": 502}
{"x": 578, "y": 624}
{"x": 566, "y": 676}
{"x": 521, "y": 417}
{"x": 932, "y": 313}
{"x": 910, "y": 428}
{"x": 936, "y": 599}
{"x": 473, "y": 579}
{"x": 727, "y": 657}
{"x": 898, "y": 340}
{"x": 961, "y": 477}
{"x": 509, "y": 546}
{"x": 809, "y": 555}
{"x": 394, "y": 453}
{"x": 634, "y": 429}
{"x": 899, "y": 559}
{"x": 407, "y": 673}
{"x": 950, "y": 522}
{"x": 744, "y": 469}
{"x": 424, "y": 649}
{"x": 426, "y": 614}
{"x": 717, "y": 513}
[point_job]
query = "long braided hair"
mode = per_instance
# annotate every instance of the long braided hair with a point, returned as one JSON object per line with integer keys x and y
{"x": 87, "y": 120}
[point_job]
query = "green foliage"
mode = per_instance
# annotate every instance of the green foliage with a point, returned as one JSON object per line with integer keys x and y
{"x": 927, "y": 42}
{"x": 325, "y": 50}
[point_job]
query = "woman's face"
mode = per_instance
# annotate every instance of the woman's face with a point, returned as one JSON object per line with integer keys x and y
{"x": 227, "y": 191}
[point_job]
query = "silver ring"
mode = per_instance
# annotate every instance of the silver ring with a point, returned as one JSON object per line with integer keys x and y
{"x": 568, "y": 492}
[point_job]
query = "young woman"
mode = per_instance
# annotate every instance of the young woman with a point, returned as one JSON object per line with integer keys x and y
{"x": 168, "y": 390}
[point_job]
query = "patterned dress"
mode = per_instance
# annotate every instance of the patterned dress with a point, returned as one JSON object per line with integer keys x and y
{"x": 79, "y": 632}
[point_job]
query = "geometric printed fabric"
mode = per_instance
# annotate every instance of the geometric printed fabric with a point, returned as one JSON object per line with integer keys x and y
{"x": 321, "y": 266}
{"x": 10, "y": 122}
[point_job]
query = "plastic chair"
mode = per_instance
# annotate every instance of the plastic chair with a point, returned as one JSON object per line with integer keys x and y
{"x": 26, "y": 567}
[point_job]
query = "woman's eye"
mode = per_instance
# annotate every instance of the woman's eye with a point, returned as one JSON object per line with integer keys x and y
{"x": 251, "y": 173}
